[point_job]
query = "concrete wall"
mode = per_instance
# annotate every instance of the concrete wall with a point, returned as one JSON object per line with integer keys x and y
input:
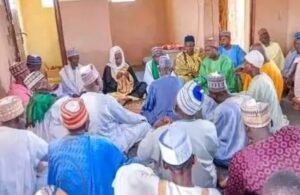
{"x": 185, "y": 19}
{"x": 281, "y": 18}
{"x": 293, "y": 21}
{"x": 138, "y": 26}
{"x": 86, "y": 27}
{"x": 40, "y": 26}
{"x": 6, "y": 53}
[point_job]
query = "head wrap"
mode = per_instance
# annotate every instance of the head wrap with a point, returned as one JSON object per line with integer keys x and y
{"x": 175, "y": 145}
{"x": 74, "y": 113}
{"x": 297, "y": 35}
{"x": 225, "y": 34}
{"x": 211, "y": 42}
{"x": 189, "y": 98}
{"x": 216, "y": 82}
{"x": 34, "y": 60}
{"x": 33, "y": 78}
{"x": 72, "y": 52}
{"x": 10, "y": 108}
{"x": 189, "y": 38}
{"x": 89, "y": 74}
{"x": 262, "y": 31}
{"x": 156, "y": 51}
{"x": 255, "y": 58}
{"x": 112, "y": 59}
{"x": 165, "y": 62}
{"x": 18, "y": 68}
{"x": 256, "y": 114}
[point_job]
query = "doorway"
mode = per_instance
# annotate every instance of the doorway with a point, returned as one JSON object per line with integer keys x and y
{"x": 239, "y": 22}
{"x": 36, "y": 30}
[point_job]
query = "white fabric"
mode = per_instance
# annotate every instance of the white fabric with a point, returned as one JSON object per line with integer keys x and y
{"x": 89, "y": 74}
{"x": 72, "y": 52}
{"x": 51, "y": 128}
{"x": 204, "y": 141}
{"x": 255, "y": 58}
{"x": 262, "y": 89}
{"x": 20, "y": 153}
{"x": 165, "y": 61}
{"x": 71, "y": 80}
{"x": 108, "y": 118}
{"x": 186, "y": 100}
{"x": 148, "y": 78}
{"x": 112, "y": 59}
{"x": 175, "y": 145}
{"x": 136, "y": 179}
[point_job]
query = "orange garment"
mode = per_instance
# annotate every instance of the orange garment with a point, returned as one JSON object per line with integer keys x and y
{"x": 272, "y": 70}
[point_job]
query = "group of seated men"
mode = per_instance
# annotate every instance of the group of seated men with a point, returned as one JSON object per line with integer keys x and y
{"x": 211, "y": 125}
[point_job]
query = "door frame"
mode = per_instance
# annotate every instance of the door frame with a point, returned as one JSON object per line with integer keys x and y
{"x": 59, "y": 26}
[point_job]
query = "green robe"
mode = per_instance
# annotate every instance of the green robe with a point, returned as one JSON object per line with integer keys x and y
{"x": 223, "y": 66}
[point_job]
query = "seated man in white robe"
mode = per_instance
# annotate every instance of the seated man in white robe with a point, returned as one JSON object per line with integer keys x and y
{"x": 262, "y": 89}
{"x": 178, "y": 159}
{"x": 43, "y": 110}
{"x": 203, "y": 135}
{"x": 71, "y": 83}
{"x": 224, "y": 110}
{"x": 107, "y": 117}
{"x": 21, "y": 152}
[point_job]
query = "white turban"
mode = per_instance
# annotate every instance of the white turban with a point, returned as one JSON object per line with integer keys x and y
{"x": 255, "y": 58}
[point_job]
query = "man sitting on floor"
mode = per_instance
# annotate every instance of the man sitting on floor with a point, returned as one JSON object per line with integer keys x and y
{"x": 216, "y": 62}
{"x": 224, "y": 110}
{"x": 188, "y": 62}
{"x": 167, "y": 86}
{"x": 262, "y": 89}
{"x": 270, "y": 68}
{"x": 21, "y": 151}
{"x": 19, "y": 71}
{"x": 202, "y": 133}
{"x": 234, "y": 52}
{"x": 273, "y": 49}
{"x": 107, "y": 117}
{"x": 152, "y": 69}
{"x": 177, "y": 155}
{"x": 71, "y": 81}
{"x": 267, "y": 153}
{"x": 80, "y": 163}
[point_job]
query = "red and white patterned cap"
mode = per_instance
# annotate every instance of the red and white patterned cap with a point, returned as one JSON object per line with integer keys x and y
{"x": 33, "y": 78}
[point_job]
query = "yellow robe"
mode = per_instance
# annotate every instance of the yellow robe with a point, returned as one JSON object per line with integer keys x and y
{"x": 187, "y": 67}
{"x": 273, "y": 72}
{"x": 274, "y": 53}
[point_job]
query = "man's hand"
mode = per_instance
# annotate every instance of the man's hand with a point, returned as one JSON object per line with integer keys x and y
{"x": 162, "y": 122}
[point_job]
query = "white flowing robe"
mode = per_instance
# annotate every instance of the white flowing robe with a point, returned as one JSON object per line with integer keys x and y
{"x": 71, "y": 80}
{"x": 231, "y": 130}
{"x": 262, "y": 89}
{"x": 136, "y": 179}
{"x": 205, "y": 142}
{"x": 51, "y": 128}
{"x": 109, "y": 119}
{"x": 20, "y": 153}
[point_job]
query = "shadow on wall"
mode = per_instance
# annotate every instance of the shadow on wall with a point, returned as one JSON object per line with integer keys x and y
{"x": 2, "y": 90}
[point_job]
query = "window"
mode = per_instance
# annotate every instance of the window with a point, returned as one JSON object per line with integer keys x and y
{"x": 120, "y": 1}
{"x": 47, "y": 3}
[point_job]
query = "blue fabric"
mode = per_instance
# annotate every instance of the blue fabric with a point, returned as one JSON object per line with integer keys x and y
{"x": 84, "y": 165}
{"x": 198, "y": 93}
{"x": 231, "y": 132}
{"x": 235, "y": 53}
{"x": 161, "y": 98}
{"x": 34, "y": 60}
{"x": 289, "y": 63}
{"x": 297, "y": 35}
